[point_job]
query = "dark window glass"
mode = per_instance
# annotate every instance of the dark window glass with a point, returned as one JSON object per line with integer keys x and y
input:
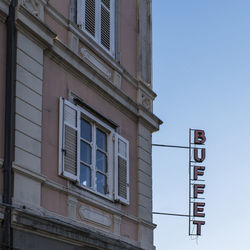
{"x": 85, "y": 175}
{"x": 101, "y": 140}
{"x": 86, "y": 130}
{"x": 101, "y": 183}
{"x": 85, "y": 153}
{"x": 101, "y": 161}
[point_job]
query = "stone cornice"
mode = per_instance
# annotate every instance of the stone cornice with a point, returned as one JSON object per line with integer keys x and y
{"x": 103, "y": 55}
{"x": 75, "y": 65}
{"x": 61, "y": 230}
{"x": 64, "y": 56}
{"x": 87, "y": 198}
{"x": 29, "y": 23}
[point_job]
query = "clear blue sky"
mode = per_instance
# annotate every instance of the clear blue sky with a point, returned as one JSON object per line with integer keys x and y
{"x": 201, "y": 73}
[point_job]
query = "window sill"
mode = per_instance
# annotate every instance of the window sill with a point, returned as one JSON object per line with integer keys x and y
{"x": 89, "y": 196}
{"x": 94, "y": 193}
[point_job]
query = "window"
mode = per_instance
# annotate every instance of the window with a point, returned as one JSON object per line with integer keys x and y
{"x": 96, "y": 18}
{"x": 92, "y": 154}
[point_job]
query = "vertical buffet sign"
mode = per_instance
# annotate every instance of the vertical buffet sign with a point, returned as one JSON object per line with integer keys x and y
{"x": 197, "y": 155}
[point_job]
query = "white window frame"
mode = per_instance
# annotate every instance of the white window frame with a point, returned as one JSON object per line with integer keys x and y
{"x": 112, "y": 152}
{"x": 97, "y": 37}
{"x": 97, "y": 123}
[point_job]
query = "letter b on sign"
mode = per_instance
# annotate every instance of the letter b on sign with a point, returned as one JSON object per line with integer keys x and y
{"x": 199, "y": 137}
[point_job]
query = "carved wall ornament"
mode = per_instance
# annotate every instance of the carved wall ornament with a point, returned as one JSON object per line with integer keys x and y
{"x": 97, "y": 63}
{"x": 146, "y": 101}
{"x": 36, "y": 7}
{"x": 95, "y": 216}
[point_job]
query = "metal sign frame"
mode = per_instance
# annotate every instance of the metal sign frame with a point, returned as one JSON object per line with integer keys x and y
{"x": 196, "y": 209}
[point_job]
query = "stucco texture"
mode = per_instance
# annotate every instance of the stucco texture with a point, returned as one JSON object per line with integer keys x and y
{"x": 128, "y": 27}
{"x": 58, "y": 82}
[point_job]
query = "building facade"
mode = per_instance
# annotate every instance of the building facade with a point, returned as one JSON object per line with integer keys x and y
{"x": 77, "y": 124}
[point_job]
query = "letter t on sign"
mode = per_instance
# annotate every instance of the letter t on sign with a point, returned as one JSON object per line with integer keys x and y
{"x": 199, "y": 224}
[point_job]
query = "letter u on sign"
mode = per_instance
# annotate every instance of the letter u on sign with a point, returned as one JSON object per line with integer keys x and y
{"x": 202, "y": 156}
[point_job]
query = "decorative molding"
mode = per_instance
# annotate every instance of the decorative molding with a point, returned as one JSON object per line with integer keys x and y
{"x": 117, "y": 224}
{"x": 73, "y": 42}
{"x": 59, "y": 228}
{"x": 96, "y": 62}
{"x": 62, "y": 55}
{"x": 95, "y": 216}
{"x": 34, "y": 28}
{"x": 117, "y": 79}
{"x": 36, "y": 7}
{"x": 72, "y": 204}
{"x": 33, "y": 175}
{"x": 145, "y": 100}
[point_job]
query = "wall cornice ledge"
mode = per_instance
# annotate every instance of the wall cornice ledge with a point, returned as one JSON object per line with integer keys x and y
{"x": 148, "y": 118}
{"x": 67, "y": 24}
{"x": 4, "y": 10}
{"x": 28, "y": 23}
{"x": 63, "y": 56}
{"x": 68, "y": 232}
{"x": 36, "y": 176}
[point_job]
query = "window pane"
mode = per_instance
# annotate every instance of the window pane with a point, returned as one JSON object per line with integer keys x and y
{"x": 101, "y": 140}
{"x": 101, "y": 183}
{"x": 101, "y": 161}
{"x": 86, "y": 130}
{"x": 122, "y": 148}
{"x": 85, "y": 176}
{"x": 85, "y": 153}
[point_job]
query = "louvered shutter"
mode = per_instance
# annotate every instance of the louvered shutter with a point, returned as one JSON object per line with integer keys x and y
{"x": 69, "y": 140}
{"x": 107, "y": 24}
{"x": 122, "y": 170}
{"x": 96, "y": 18}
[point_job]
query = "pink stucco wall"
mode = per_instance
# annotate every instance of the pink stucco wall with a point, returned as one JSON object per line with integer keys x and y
{"x": 128, "y": 29}
{"x": 59, "y": 29}
{"x": 53, "y": 88}
{"x": 54, "y": 201}
{"x": 129, "y": 229}
{"x": 62, "y": 6}
{"x": 58, "y": 82}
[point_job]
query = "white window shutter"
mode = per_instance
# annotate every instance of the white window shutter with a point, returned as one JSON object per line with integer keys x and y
{"x": 107, "y": 24}
{"x": 81, "y": 13}
{"x": 121, "y": 169}
{"x": 69, "y": 140}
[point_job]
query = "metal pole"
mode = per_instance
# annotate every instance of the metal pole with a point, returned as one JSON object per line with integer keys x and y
{"x": 189, "y": 188}
{"x": 9, "y": 125}
{"x": 181, "y": 215}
